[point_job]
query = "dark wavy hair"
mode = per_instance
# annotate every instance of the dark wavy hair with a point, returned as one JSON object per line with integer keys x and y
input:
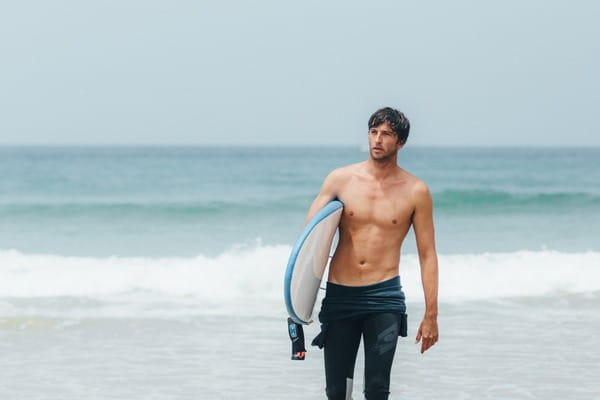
{"x": 397, "y": 120}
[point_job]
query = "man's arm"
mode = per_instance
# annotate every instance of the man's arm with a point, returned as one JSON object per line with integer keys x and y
{"x": 328, "y": 192}
{"x": 424, "y": 233}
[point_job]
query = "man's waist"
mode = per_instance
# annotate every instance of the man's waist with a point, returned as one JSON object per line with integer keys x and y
{"x": 381, "y": 296}
{"x": 390, "y": 286}
{"x": 347, "y": 301}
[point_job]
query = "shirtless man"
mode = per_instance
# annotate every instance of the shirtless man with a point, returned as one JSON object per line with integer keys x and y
{"x": 364, "y": 296}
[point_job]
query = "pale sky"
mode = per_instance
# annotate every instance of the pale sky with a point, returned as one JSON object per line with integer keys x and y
{"x": 307, "y": 72}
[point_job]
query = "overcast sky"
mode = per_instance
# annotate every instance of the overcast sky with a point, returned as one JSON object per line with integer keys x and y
{"x": 304, "y": 72}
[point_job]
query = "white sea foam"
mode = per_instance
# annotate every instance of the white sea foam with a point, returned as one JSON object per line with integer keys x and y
{"x": 257, "y": 273}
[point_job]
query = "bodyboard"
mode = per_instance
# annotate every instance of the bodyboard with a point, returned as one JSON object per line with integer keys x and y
{"x": 308, "y": 260}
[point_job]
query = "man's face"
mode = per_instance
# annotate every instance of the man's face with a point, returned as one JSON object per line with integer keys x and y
{"x": 383, "y": 142}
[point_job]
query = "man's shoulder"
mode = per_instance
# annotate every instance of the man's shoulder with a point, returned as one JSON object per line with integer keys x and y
{"x": 344, "y": 172}
{"x": 417, "y": 186}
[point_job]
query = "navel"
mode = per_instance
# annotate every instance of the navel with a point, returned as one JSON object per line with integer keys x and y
{"x": 362, "y": 262}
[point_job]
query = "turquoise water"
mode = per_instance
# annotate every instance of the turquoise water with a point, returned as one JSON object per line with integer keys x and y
{"x": 187, "y": 201}
{"x": 156, "y": 273}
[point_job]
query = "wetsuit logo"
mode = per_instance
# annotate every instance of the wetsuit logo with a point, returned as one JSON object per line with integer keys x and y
{"x": 386, "y": 340}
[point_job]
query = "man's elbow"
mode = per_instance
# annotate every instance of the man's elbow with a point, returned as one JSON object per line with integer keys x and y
{"x": 428, "y": 256}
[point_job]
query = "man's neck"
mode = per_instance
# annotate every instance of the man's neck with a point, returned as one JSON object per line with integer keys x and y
{"x": 380, "y": 170}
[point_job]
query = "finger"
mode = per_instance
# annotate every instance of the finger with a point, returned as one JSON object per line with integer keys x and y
{"x": 423, "y": 345}
{"x": 432, "y": 341}
{"x": 418, "y": 336}
{"x": 427, "y": 343}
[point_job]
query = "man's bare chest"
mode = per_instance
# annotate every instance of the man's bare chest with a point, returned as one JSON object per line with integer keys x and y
{"x": 382, "y": 205}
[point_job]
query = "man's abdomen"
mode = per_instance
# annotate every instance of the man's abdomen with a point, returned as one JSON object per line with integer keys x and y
{"x": 364, "y": 258}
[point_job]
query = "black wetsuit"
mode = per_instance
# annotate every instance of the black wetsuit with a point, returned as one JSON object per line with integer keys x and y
{"x": 377, "y": 313}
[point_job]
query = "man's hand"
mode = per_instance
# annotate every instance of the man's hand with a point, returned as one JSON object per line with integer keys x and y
{"x": 428, "y": 331}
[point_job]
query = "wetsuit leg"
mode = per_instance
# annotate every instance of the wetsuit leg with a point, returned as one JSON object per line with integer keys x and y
{"x": 380, "y": 337}
{"x": 341, "y": 346}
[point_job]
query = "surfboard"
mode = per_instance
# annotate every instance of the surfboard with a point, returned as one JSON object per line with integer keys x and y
{"x": 308, "y": 260}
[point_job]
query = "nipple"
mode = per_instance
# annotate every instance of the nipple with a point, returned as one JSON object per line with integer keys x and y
{"x": 351, "y": 213}
{"x": 394, "y": 221}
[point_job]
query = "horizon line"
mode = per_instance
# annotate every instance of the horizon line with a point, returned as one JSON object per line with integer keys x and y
{"x": 346, "y": 146}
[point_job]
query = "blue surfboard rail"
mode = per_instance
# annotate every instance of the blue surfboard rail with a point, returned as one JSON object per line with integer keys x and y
{"x": 323, "y": 213}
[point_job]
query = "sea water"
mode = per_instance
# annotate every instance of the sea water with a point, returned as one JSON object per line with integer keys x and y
{"x": 156, "y": 273}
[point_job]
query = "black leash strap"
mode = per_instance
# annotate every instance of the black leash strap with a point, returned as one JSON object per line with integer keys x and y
{"x": 296, "y": 333}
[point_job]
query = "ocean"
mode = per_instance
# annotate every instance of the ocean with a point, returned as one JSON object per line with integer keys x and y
{"x": 156, "y": 273}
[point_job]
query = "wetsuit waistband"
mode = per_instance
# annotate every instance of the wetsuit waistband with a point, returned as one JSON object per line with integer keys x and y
{"x": 337, "y": 290}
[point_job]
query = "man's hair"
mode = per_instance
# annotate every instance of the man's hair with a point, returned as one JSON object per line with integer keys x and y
{"x": 397, "y": 120}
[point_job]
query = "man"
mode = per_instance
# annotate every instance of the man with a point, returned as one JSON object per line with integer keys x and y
{"x": 364, "y": 295}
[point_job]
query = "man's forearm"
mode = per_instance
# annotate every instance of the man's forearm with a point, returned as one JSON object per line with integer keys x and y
{"x": 429, "y": 278}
